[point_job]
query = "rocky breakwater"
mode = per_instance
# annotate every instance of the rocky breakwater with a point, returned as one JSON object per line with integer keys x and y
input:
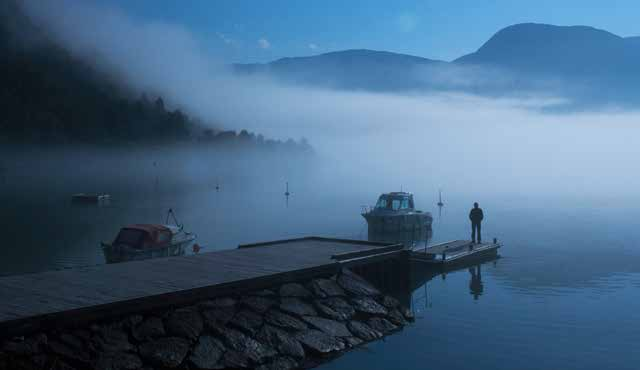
{"x": 295, "y": 325}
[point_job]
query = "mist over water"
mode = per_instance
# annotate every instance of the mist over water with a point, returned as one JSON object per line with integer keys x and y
{"x": 558, "y": 189}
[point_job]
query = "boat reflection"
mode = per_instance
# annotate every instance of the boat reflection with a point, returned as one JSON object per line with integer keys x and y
{"x": 417, "y": 237}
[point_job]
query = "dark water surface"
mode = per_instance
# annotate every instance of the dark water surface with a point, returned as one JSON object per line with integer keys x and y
{"x": 564, "y": 295}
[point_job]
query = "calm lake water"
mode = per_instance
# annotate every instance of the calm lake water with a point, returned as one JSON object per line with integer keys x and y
{"x": 564, "y": 295}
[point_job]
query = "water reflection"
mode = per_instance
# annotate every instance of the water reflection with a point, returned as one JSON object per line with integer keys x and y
{"x": 475, "y": 285}
{"x": 414, "y": 238}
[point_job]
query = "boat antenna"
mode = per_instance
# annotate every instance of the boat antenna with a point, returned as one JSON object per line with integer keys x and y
{"x": 440, "y": 204}
{"x": 173, "y": 215}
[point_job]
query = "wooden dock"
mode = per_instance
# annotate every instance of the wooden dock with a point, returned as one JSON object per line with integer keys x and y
{"x": 48, "y": 299}
{"x": 454, "y": 251}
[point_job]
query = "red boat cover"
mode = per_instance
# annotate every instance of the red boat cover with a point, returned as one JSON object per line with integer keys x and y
{"x": 154, "y": 235}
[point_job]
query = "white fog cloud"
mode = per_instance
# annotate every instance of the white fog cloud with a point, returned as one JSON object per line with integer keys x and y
{"x": 407, "y": 22}
{"x": 264, "y": 43}
{"x": 458, "y": 140}
{"x": 227, "y": 40}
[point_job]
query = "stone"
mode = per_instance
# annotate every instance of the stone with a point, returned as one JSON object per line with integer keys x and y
{"x": 381, "y": 325}
{"x": 389, "y": 302}
{"x": 407, "y": 314}
{"x": 247, "y": 321}
{"x": 294, "y": 290}
{"x": 263, "y": 293}
{"x": 352, "y": 341}
{"x": 131, "y": 321}
{"x": 217, "y": 303}
{"x": 246, "y": 346}
{"x": 27, "y": 346}
{"x": 297, "y": 307}
{"x": 61, "y": 365}
{"x": 165, "y": 352}
{"x": 396, "y": 317}
{"x": 369, "y": 306}
{"x": 291, "y": 347}
{"x": 185, "y": 322}
{"x": 67, "y": 352}
{"x": 271, "y": 335}
{"x": 324, "y": 288}
{"x": 280, "y": 363}
{"x": 236, "y": 360}
{"x": 363, "y": 331}
{"x": 207, "y": 353}
{"x": 216, "y": 328}
{"x": 258, "y": 303}
{"x": 82, "y": 334}
{"x": 335, "y": 308}
{"x": 327, "y": 326}
{"x": 72, "y": 341}
{"x": 281, "y": 340}
{"x": 150, "y": 328}
{"x": 284, "y": 320}
{"x": 356, "y": 285}
{"x": 319, "y": 342}
{"x": 118, "y": 361}
{"x": 221, "y": 315}
{"x": 111, "y": 338}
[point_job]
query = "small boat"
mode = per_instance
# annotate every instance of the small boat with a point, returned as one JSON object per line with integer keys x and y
{"x": 144, "y": 241}
{"x": 90, "y": 198}
{"x": 395, "y": 213}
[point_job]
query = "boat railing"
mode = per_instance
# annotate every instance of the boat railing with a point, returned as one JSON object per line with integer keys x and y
{"x": 366, "y": 209}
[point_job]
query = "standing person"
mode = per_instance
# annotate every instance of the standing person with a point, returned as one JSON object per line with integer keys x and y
{"x": 476, "y": 217}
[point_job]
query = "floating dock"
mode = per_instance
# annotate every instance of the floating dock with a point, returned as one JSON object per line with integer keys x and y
{"x": 455, "y": 251}
{"x": 52, "y": 299}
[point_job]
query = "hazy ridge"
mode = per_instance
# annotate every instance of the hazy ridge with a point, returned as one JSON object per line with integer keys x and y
{"x": 579, "y": 62}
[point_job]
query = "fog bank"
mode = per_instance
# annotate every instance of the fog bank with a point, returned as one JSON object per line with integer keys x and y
{"x": 460, "y": 142}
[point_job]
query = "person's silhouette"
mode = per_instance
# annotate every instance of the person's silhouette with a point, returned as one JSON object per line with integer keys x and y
{"x": 475, "y": 285}
{"x": 476, "y": 217}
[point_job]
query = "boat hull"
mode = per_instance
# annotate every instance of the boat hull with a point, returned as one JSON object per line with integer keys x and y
{"x": 398, "y": 223}
{"x": 409, "y": 229}
{"x": 123, "y": 253}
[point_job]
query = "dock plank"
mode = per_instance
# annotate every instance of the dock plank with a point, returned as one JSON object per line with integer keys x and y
{"x": 453, "y": 251}
{"x": 59, "y": 295}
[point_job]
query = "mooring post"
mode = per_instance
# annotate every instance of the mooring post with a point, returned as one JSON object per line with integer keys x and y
{"x": 444, "y": 256}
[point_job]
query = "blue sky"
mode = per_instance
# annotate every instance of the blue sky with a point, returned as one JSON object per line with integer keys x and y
{"x": 261, "y": 30}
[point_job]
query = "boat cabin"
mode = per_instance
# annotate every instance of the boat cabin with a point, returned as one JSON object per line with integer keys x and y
{"x": 396, "y": 201}
{"x": 145, "y": 236}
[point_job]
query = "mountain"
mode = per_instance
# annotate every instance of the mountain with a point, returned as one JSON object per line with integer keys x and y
{"x": 583, "y": 63}
{"x": 577, "y": 54}
{"x": 348, "y": 69}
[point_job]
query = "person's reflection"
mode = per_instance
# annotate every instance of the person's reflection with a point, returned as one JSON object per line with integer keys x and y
{"x": 475, "y": 284}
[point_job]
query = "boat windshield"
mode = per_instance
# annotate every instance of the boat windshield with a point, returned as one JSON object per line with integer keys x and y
{"x": 382, "y": 203}
{"x": 130, "y": 237}
{"x": 393, "y": 204}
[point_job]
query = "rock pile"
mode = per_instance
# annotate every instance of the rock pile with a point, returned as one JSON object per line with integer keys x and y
{"x": 294, "y": 325}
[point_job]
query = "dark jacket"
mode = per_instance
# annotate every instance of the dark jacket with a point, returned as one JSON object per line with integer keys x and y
{"x": 476, "y": 215}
